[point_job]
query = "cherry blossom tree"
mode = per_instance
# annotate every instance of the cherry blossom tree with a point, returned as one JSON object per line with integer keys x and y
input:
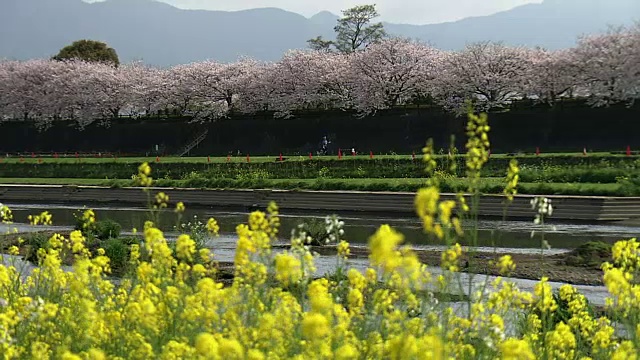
{"x": 30, "y": 89}
{"x": 633, "y": 65}
{"x": 608, "y": 67}
{"x": 256, "y": 89}
{"x": 95, "y": 91}
{"x": 604, "y": 68}
{"x": 307, "y": 80}
{"x": 489, "y": 74}
{"x": 7, "y": 69}
{"x": 552, "y": 75}
{"x": 112, "y": 90}
{"x": 185, "y": 87}
{"x": 73, "y": 99}
{"x": 149, "y": 87}
{"x": 392, "y": 72}
{"x": 229, "y": 80}
{"x": 207, "y": 90}
{"x": 336, "y": 90}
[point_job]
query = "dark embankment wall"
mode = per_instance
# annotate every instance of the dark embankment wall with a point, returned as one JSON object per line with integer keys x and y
{"x": 568, "y": 127}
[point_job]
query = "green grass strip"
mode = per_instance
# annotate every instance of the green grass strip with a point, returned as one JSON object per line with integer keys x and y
{"x": 487, "y": 185}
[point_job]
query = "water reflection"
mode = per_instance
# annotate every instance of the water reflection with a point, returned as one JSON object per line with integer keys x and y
{"x": 509, "y": 234}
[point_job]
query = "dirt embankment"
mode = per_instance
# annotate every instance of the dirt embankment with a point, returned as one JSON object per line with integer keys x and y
{"x": 558, "y": 268}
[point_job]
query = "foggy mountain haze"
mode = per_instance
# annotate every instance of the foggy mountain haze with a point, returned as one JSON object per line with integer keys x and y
{"x": 161, "y": 34}
{"x": 416, "y": 12}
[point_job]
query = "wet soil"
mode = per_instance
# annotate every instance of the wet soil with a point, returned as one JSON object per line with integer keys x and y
{"x": 528, "y": 266}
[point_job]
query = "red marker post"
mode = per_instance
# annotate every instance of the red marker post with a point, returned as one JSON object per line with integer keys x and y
{"x": 208, "y": 159}
{"x": 339, "y": 154}
{"x": 537, "y": 151}
{"x": 370, "y": 154}
{"x": 280, "y": 157}
{"x": 310, "y": 156}
{"x": 157, "y": 159}
{"x": 628, "y": 150}
{"x": 248, "y": 158}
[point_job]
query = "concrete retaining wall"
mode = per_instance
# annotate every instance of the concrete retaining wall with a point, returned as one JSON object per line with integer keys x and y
{"x": 569, "y": 208}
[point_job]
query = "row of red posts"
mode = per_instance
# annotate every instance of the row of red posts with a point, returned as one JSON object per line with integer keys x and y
{"x": 280, "y": 158}
{"x": 584, "y": 151}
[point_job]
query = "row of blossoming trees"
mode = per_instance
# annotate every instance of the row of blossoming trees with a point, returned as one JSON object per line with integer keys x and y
{"x": 603, "y": 69}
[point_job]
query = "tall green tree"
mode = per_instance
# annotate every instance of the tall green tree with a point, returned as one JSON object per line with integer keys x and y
{"x": 89, "y": 50}
{"x": 354, "y": 30}
{"x": 320, "y": 44}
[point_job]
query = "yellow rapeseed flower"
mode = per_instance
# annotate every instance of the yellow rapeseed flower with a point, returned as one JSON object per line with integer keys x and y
{"x": 561, "y": 342}
{"x": 288, "y": 268}
{"x": 162, "y": 200}
{"x": 343, "y": 249}
{"x": 347, "y": 352}
{"x": 315, "y": 326}
{"x": 6, "y": 216}
{"x": 428, "y": 158}
{"x": 515, "y": 349}
{"x": 506, "y": 265}
{"x": 45, "y": 218}
{"x": 230, "y": 349}
{"x": 450, "y": 258}
{"x": 212, "y": 226}
{"x": 512, "y": 180}
{"x": 185, "y": 247}
{"x": 13, "y": 250}
{"x": 383, "y": 245}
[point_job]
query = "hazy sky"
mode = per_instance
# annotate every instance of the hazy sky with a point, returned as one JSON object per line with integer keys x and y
{"x": 397, "y": 11}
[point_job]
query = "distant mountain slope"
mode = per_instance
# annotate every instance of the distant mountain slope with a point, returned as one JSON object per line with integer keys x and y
{"x": 160, "y": 34}
{"x": 552, "y": 24}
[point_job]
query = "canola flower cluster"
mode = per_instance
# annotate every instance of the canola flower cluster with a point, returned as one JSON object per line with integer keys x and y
{"x": 172, "y": 306}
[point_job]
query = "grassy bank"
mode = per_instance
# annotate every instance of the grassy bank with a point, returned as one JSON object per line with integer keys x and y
{"x": 488, "y": 185}
{"x": 96, "y": 159}
{"x": 533, "y": 169}
{"x": 562, "y": 174}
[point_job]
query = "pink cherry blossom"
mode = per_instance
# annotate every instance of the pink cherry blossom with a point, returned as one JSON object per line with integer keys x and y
{"x": 602, "y": 68}
{"x": 392, "y": 72}
{"x": 552, "y": 75}
{"x": 607, "y": 65}
{"x": 489, "y": 74}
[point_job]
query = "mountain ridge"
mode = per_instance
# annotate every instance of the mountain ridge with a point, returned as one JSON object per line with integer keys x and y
{"x": 161, "y": 34}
